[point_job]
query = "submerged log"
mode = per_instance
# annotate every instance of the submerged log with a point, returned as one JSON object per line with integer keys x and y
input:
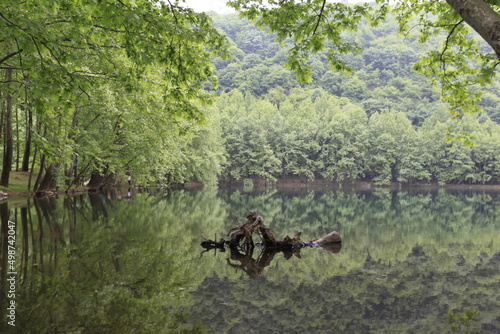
{"x": 241, "y": 238}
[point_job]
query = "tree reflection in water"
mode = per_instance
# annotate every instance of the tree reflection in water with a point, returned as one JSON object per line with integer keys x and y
{"x": 410, "y": 263}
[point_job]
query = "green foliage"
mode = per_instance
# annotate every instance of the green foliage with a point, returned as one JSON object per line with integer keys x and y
{"x": 309, "y": 32}
{"x": 391, "y": 138}
{"x": 312, "y": 134}
{"x": 460, "y": 66}
{"x": 113, "y": 87}
{"x": 457, "y": 321}
{"x": 382, "y": 77}
{"x": 244, "y": 122}
{"x": 127, "y": 88}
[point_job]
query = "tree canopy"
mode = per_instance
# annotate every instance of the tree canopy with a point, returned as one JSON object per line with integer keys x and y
{"x": 316, "y": 135}
{"x": 92, "y": 90}
{"x": 317, "y": 25}
{"x": 103, "y": 87}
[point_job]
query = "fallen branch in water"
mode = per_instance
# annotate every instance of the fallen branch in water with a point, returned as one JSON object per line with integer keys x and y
{"x": 241, "y": 238}
{"x": 241, "y": 245}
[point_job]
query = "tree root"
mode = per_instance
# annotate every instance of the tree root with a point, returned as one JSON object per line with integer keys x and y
{"x": 241, "y": 238}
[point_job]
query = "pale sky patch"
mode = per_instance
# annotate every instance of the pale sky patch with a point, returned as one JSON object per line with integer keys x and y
{"x": 218, "y": 6}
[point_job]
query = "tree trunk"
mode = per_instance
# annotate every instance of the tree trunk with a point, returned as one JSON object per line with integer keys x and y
{"x": 27, "y": 145}
{"x": 98, "y": 180}
{"x": 482, "y": 18}
{"x": 8, "y": 142}
{"x": 241, "y": 245}
{"x": 40, "y": 172}
{"x": 49, "y": 180}
{"x": 17, "y": 140}
{"x": 72, "y": 169}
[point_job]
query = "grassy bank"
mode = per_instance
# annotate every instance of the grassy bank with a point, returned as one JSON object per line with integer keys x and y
{"x": 18, "y": 183}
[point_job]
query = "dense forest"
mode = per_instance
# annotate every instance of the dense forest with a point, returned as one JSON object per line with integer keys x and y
{"x": 94, "y": 91}
{"x": 384, "y": 122}
{"x": 90, "y": 99}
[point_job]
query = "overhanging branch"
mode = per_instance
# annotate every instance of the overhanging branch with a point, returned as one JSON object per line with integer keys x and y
{"x": 4, "y": 59}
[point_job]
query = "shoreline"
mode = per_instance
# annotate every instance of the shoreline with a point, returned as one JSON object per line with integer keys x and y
{"x": 353, "y": 185}
{"x": 260, "y": 184}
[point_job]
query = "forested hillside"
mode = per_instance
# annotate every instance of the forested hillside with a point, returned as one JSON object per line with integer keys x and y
{"x": 383, "y": 122}
{"x": 382, "y": 78}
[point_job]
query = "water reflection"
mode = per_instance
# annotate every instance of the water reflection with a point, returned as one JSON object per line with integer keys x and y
{"x": 254, "y": 267}
{"x": 114, "y": 262}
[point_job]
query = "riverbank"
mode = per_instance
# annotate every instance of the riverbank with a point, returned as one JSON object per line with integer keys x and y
{"x": 346, "y": 185}
{"x": 18, "y": 186}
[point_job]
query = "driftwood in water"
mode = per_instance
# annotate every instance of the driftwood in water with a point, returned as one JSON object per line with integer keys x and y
{"x": 243, "y": 233}
{"x": 241, "y": 245}
{"x": 241, "y": 238}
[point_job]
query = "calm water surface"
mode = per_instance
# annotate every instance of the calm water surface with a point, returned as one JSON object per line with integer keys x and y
{"x": 410, "y": 262}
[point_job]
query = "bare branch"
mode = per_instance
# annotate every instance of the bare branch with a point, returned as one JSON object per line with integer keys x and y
{"x": 320, "y": 17}
{"x": 10, "y": 55}
{"x": 38, "y": 50}
{"x": 8, "y": 21}
{"x": 109, "y": 29}
{"x": 173, "y": 11}
{"x": 10, "y": 68}
{"x": 450, "y": 34}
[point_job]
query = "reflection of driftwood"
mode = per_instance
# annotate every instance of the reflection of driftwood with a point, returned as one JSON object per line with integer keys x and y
{"x": 241, "y": 238}
{"x": 252, "y": 267}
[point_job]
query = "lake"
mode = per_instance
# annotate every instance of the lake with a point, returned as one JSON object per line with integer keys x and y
{"x": 411, "y": 261}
